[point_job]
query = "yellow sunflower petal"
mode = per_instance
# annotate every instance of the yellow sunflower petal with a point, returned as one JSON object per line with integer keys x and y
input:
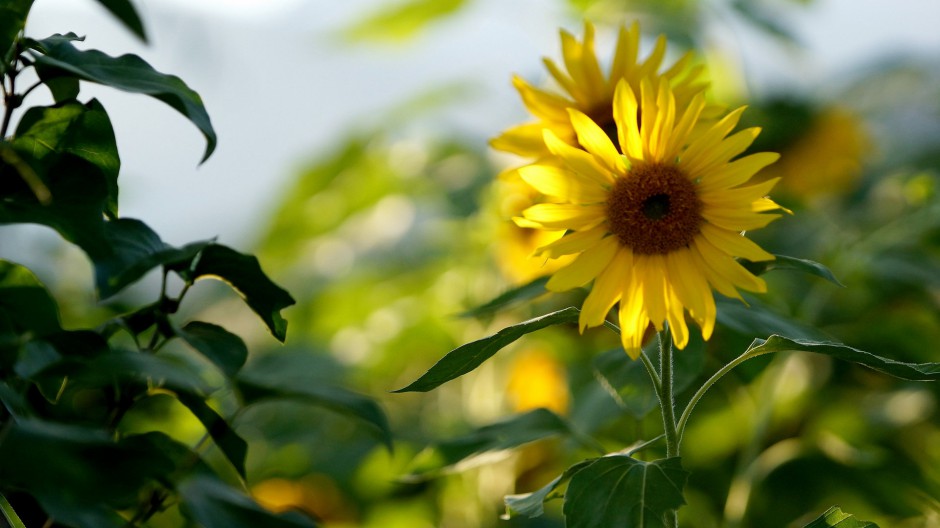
{"x": 578, "y": 160}
{"x": 628, "y": 46}
{"x": 596, "y": 141}
{"x": 524, "y": 140}
{"x": 626, "y": 109}
{"x": 542, "y": 104}
{"x": 606, "y": 290}
{"x": 573, "y": 242}
{"x": 738, "y": 171}
{"x": 675, "y": 315}
{"x": 683, "y": 129}
{"x": 691, "y": 286}
{"x": 565, "y": 216}
{"x": 740, "y": 198}
{"x": 655, "y": 58}
{"x": 737, "y": 220}
{"x": 709, "y": 140}
{"x": 557, "y": 181}
{"x": 649, "y": 270}
{"x": 723, "y": 153}
{"x": 563, "y": 79}
{"x": 734, "y": 243}
{"x": 633, "y": 319}
{"x": 729, "y": 268}
{"x": 585, "y": 267}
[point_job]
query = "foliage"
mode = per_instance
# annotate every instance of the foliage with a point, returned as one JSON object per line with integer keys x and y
{"x": 70, "y": 457}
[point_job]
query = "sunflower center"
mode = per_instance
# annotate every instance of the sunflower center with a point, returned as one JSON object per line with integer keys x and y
{"x": 654, "y": 209}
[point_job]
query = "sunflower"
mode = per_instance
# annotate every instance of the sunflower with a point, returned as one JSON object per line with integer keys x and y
{"x": 588, "y": 90}
{"x": 658, "y": 227}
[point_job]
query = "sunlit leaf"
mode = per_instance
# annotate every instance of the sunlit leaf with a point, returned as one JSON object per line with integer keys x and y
{"x": 898, "y": 369}
{"x": 225, "y": 349}
{"x": 12, "y": 519}
{"x": 465, "y": 358}
{"x": 836, "y": 518}
{"x": 621, "y": 491}
{"x": 532, "y": 504}
{"x": 505, "y": 434}
{"x": 82, "y": 130}
{"x": 213, "y": 504}
{"x": 12, "y": 19}
{"x": 402, "y": 20}
{"x": 243, "y": 273}
{"x": 129, "y": 73}
{"x": 125, "y": 12}
{"x": 783, "y": 262}
{"x": 525, "y": 292}
{"x": 334, "y": 398}
{"x": 228, "y": 441}
{"x": 25, "y": 305}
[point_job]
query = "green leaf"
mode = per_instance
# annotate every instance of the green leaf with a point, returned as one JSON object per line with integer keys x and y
{"x": 14, "y": 402}
{"x": 629, "y": 384}
{"x": 213, "y": 504}
{"x": 621, "y": 491}
{"x": 12, "y": 519}
{"x": 244, "y": 274}
{"x": 898, "y": 369}
{"x": 125, "y": 12}
{"x": 836, "y": 518}
{"x": 133, "y": 250}
{"x": 525, "y": 292}
{"x": 783, "y": 262}
{"x": 82, "y": 130}
{"x": 334, "y": 398}
{"x": 532, "y": 504}
{"x": 25, "y": 305}
{"x": 401, "y": 21}
{"x": 505, "y": 434}
{"x": 229, "y": 442}
{"x": 63, "y": 86}
{"x": 465, "y": 358}
{"x": 68, "y": 467}
{"x": 126, "y": 367}
{"x": 756, "y": 318}
{"x": 12, "y": 19}
{"x": 225, "y": 349}
{"x": 129, "y": 73}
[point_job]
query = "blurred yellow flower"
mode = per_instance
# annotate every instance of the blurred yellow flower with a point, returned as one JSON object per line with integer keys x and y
{"x": 315, "y": 495}
{"x": 659, "y": 226}
{"x": 515, "y": 246}
{"x": 537, "y": 380}
{"x": 588, "y": 90}
{"x": 826, "y": 159}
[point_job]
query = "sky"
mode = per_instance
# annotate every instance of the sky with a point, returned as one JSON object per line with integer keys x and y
{"x": 281, "y": 89}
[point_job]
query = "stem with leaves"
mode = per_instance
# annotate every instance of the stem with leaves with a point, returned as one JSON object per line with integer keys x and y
{"x": 667, "y": 404}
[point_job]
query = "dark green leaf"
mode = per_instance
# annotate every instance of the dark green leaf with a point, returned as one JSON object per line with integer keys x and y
{"x": 125, "y": 12}
{"x": 505, "y": 434}
{"x": 133, "y": 250}
{"x": 129, "y": 73}
{"x": 225, "y": 349}
{"x": 243, "y": 272}
{"x": 836, "y": 518}
{"x": 213, "y": 504}
{"x": 898, "y": 369}
{"x": 25, "y": 305}
{"x": 625, "y": 492}
{"x": 783, "y": 262}
{"x": 76, "y": 199}
{"x": 123, "y": 367}
{"x": 763, "y": 20}
{"x": 756, "y": 318}
{"x": 232, "y": 446}
{"x": 68, "y": 467}
{"x": 402, "y": 20}
{"x": 14, "y": 402}
{"x": 82, "y": 130}
{"x": 12, "y": 519}
{"x": 531, "y": 504}
{"x": 63, "y": 86}
{"x": 629, "y": 384}
{"x": 335, "y": 398}
{"x": 12, "y": 19}
{"x": 465, "y": 358}
{"x": 525, "y": 292}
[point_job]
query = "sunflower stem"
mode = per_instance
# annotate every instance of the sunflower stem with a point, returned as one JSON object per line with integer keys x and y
{"x": 667, "y": 404}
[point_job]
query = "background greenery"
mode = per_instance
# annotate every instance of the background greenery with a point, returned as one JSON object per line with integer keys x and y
{"x": 387, "y": 238}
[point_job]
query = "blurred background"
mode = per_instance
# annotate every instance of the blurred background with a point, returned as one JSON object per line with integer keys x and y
{"x": 353, "y": 161}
